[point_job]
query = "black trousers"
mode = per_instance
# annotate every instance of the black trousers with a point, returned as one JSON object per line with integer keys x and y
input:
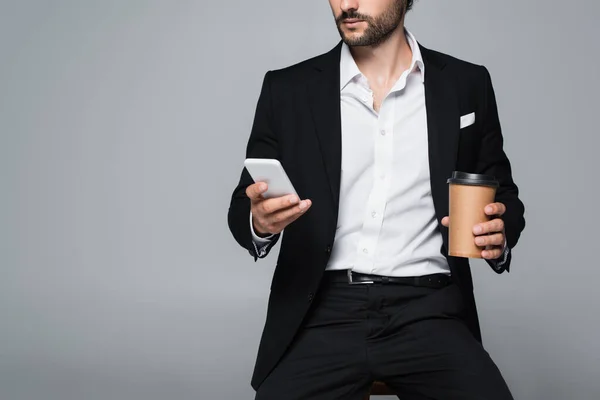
{"x": 409, "y": 337}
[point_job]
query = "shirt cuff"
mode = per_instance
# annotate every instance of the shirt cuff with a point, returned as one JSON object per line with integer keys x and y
{"x": 498, "y": 263}
{"x": 260, "y": 244}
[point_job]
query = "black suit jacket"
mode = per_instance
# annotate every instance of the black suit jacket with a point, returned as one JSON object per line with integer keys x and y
{"x": 298, "y": 122}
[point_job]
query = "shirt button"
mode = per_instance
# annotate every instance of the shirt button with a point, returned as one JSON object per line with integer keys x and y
{"x": 365, "y": 251}
{"x": 382, "y": 132}
{"x": 373, "y": 214}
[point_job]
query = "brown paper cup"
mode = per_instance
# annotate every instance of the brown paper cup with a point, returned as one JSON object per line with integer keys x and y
{"x": 469, "y": 194}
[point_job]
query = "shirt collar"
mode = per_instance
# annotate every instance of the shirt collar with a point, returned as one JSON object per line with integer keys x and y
{"x": 349, "y": 70}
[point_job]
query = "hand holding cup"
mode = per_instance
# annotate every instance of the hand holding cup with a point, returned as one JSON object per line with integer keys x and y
{"x": 490, "y": 235}
{"x": 476, "y": 229}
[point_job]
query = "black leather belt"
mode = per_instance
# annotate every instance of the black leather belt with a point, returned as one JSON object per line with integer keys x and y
{"x": 435, "y": 281}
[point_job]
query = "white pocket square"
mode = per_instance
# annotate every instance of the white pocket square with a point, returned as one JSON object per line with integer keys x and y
{"x": 467, "y": 120}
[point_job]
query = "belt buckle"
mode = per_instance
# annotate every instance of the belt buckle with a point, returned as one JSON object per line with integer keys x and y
{"x": 351, "y": 282}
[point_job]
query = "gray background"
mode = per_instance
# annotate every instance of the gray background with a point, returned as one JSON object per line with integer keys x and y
{"x": 123, "y": 126}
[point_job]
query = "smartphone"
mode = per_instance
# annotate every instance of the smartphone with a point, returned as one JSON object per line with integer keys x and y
{"x": 272, "y": 173}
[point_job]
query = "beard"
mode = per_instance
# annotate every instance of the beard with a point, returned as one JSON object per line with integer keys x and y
{"x": 378, "y": 28}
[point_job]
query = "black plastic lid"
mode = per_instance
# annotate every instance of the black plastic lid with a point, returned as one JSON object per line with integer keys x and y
{"x": 464, "y": 178}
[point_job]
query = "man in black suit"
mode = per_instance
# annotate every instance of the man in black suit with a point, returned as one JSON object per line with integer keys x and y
{"x": 364, "y": 288}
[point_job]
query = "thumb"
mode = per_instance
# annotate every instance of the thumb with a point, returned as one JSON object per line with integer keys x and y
{"x": 255, "y": 190}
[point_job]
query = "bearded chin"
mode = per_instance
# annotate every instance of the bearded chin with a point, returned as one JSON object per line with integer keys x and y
{"x": 378, "y": 29}
{"x": 370, "y": 37}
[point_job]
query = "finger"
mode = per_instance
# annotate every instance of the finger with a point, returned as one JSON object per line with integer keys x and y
{"x": 495, "y": 209}
{"x": 283, "y": 218}
{"x": 496, "y": 239}
{"x": 277, "y": 204}
{"x": 446, "y": 221}
{"x": 255, "y": 190}
{"x": 491, "y": 254}
{"x": 493, "y": 226}
{"x": 296, "y": 211}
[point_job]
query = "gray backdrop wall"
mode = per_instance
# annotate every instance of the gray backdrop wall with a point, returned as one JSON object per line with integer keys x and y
{"x": 123, "y": 126}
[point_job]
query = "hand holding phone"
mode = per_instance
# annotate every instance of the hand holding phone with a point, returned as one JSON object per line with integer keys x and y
{"x": 274, "y": 201}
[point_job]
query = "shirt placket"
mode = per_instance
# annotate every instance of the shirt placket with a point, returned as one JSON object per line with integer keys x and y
{"x": 383, "y": 136}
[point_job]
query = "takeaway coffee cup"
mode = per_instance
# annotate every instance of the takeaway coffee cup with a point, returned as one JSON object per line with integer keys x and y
{"x": 469, "y": 194}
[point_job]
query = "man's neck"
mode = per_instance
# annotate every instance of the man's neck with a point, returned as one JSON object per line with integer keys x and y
{"x": 383, "y": 64}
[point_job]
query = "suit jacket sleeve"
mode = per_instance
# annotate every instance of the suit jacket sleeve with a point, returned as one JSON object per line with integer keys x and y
{"x": 261, "y": 144}
{"x": 493, "y": 161}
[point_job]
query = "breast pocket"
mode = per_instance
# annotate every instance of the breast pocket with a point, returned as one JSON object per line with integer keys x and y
{"x": 470, "y": 126}
{"x": 469, "y": 146}
{"x": 471, "y": 132}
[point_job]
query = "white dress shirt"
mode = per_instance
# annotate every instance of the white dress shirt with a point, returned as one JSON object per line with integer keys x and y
{"x": 386, "y": 222}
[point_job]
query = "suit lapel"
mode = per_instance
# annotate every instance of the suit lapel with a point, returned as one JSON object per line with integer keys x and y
{"x": 443, "y": 129}
{"x": 324, "y": 100}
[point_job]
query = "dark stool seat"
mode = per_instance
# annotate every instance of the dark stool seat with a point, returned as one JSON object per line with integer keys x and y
{"x": 379, "y": 389}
